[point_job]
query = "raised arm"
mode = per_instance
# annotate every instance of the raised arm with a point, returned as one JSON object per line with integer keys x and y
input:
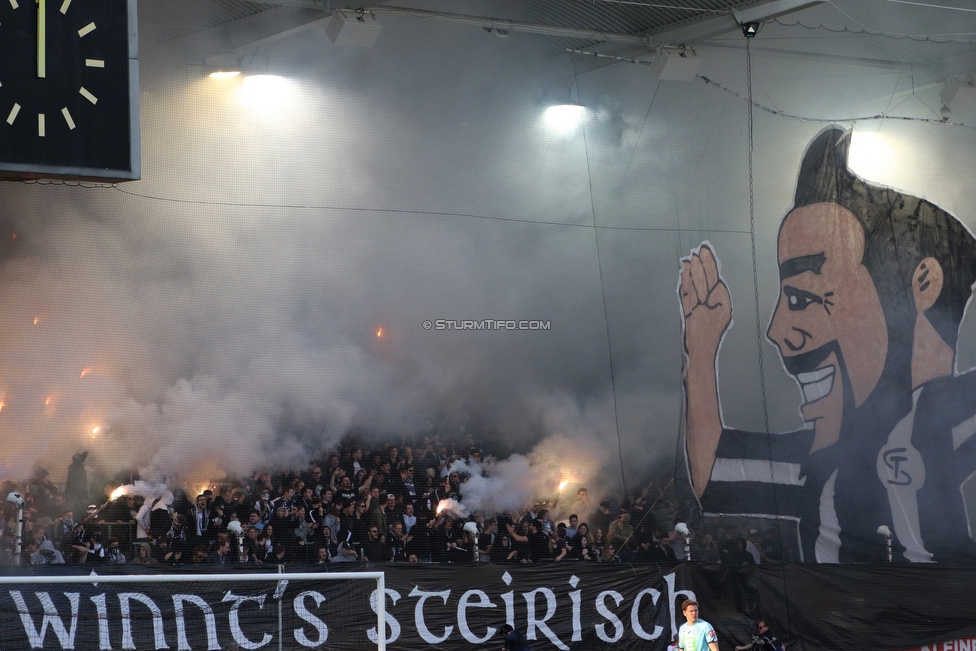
{"x": 706, "y": 309}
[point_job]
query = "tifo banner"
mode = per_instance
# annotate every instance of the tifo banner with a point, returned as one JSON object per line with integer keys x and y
{"x": 455, "y": 607}
{"x": 874, "y": 284}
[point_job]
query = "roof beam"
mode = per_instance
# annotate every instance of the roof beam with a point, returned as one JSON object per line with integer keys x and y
{"x": 700, "y": 28}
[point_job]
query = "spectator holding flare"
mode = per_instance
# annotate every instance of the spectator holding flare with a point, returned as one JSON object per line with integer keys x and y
{"x": 695, "y": 634}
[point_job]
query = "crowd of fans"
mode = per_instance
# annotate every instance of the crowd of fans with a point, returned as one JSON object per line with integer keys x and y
{"x": 358, "y": 505}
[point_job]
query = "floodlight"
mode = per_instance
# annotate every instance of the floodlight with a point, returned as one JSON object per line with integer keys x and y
{"x": 361, "y": 31}
{"x": 676, "y": 63}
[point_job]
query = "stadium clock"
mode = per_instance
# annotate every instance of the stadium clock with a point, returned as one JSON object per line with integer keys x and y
{"x": 69, "y": 89}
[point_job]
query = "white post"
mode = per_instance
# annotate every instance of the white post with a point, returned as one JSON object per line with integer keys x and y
{"x": 381, "y": 612}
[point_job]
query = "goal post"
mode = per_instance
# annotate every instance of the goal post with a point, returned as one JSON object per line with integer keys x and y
{"x": 196, "y": 611}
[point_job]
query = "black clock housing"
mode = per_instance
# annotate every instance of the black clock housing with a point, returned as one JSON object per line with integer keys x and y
{"x": 88, "y": 97}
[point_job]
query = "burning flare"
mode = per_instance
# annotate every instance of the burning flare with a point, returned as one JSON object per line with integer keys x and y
{"x": 118, "y": 492}
{"x": 379, "y": 333}
{"x": 562, "y": 484}
{"x": 451, "y": 507}
{"x": 85, "y": 372}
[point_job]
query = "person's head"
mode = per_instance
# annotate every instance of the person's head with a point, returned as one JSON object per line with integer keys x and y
{"x": 374, "y": 532}
{"x": 199, "y": 554}
{"x": 316, "y": 473}
{"x": 862, "y": 267}
{"x": 398, "y": 528}
{"x": 323, "y": 554}
{"x": 374, "y": 493}
{"x": 598, "y": 534}
{"x": 408, "y": 508}
{"x": 574, "y": 521}
{"x": 583, "y": 530}
{"x": 581, "y": 493}
{"x": 690, "y": 610}
{"x": 253, "y": 517}
{"x": 345, "y": 483}
{"x": 390, "y": 500}
{"x": 142, "y": 551}
{"x": 762, "y": 627}
{"x": 201, "y": 501}
{"x": 223, "y": 547}
{"x": 360, "y": 506}
{"x": 412, "y": 558}
{"x": 506, "y": 629}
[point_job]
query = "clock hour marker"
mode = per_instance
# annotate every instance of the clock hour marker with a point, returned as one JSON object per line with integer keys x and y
{"x": 86, "y": 30}
{"x": 67, "y": 118}
{"x": 13, "y": 3}
{"x": 13, "y": 113}
{"x": 95, "y": 63}
{"x": 64, "y": 6}
{"x": 40, "y": 125}
{"x": 84, "y": 92}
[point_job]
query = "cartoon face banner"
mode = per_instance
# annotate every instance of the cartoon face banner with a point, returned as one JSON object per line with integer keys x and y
{"x": 874, "y": 284}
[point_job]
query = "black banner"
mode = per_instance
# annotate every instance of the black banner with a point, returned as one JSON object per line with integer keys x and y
{"x": 563, "y": 607}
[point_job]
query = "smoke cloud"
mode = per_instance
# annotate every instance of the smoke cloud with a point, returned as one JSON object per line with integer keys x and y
{"x": 263, "y": 289}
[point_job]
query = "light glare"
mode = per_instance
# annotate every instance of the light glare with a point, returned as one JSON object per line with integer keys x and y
{"x": 224, "y": 74}
{"x": 266, "y": 92}
{"x": 564, "y": 118}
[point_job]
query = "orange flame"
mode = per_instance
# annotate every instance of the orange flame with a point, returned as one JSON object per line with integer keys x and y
{"x": 48, "y": 401}
{"x": 37, "y": 320}
{"x": 95, "y": 431}
{"x": 441, "y": 506}
{"x": 85, "y": 372}
{"x": 118, "y": 492}
{"x": 563, "y": 483}
{"x": 2, "y": 405}
{"x": 379, "y": 333}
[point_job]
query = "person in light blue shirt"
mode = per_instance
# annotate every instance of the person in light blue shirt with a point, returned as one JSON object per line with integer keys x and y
{"x": 696, "y": 634}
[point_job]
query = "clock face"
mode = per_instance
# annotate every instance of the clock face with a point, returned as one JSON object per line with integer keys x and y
{"x": 66, "y": 88}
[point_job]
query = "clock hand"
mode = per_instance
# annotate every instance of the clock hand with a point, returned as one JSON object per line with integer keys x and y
{"x": 41, "y": 38}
